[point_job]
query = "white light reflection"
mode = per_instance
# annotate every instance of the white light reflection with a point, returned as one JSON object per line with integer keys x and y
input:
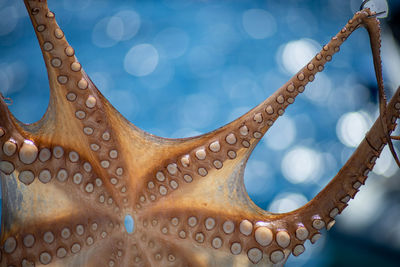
{"x": 110, "y": 30}
{"x": 364, "y": 209}
{"x": 12, "y": 77}
{"x": 141, "y": 60}
{"x": 8, "y": 20}
{"x": 391, "y": 57}
{"x": 351, "y": 128}
{"x": 296, "y": 54}
{"x": 128, "y": 22}
{"x": 286, "y": 202}
{"x": 282, "y": 135}
{"x": 115, "y": 28}
{"x": 318, "y": 91}
{"x": 172, "y": 42}
{"x": 100, "y": 36}
{"x": 385, "y": 164}
{"x": 258, "y": 23}
{"x": 302, "y": 165}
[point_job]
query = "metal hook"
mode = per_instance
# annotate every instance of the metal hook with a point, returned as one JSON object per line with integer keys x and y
{"x": 376, "y": 14}
{"x": 363, "y": 4}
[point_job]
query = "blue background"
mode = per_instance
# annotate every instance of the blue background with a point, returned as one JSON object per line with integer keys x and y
{"x": 208, "y": 62}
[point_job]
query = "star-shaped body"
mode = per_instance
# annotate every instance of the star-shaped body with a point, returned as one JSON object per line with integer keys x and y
{"x": 70, "y": 180}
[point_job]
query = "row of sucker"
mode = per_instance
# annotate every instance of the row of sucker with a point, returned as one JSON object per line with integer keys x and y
{"x": 252, "y": 237}
{"x": 50, "y": 165}
{"x": 356, "y": 177}
{"x": 81, "y": 94}
{"x": 199, "y": 161}
{"x": 48, "y": 246}
{"x": 148, "y": 251}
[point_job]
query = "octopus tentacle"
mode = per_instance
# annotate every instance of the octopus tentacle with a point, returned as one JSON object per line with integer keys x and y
{"x": 292, "y": 228}
{"x": 72, "y": 94}
{"x": 372, "y": 26}
{"x": 197, "y": 157}
{"x": 334, "y": 197}
{"x": 321, "y": 210}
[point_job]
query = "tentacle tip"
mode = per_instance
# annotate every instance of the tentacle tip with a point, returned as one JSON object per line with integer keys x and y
{"x": 392, "y": 150}
{"x": 374, "y": 6}
{"x": 379, "y": 15}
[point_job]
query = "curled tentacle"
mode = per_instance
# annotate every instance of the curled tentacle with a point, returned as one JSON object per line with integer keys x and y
{"x": 372, "y": 26}
{"x": 321, "y": 210}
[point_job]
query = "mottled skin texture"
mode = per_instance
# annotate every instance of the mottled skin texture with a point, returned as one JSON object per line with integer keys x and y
{"x": 67, "y": 190}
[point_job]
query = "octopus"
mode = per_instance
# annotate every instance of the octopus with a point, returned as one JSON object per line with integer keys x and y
{"x": 71, "y": 179}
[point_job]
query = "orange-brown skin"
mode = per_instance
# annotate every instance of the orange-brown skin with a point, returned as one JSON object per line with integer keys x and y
{"x": 186, "y": 196}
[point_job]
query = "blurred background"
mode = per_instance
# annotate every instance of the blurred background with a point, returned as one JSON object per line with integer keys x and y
{"x": 179, "y": 68}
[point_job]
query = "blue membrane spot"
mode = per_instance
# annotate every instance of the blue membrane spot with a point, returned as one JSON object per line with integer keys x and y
{"x": 129, "y": 224}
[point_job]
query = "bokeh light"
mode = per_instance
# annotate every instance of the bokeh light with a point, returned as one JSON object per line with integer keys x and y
{"x": 385, "y": 164}
{"x": 352, "y": 127}
{"x": 365, "y": 207}
{"x": 282, "y": 135}
{"x": 259, "y": 23}
{"x": 124, "y": 25}
{"x": 101, "y": 33}
{"x": 286, "y": 202}
{"x": 141, "y": 60}
{"x": 302, "y": 165}
{"x": 296, "y": 54}
{"x": 8, "y": 20}
{"x": 319, "y": 90}
{"x": 120, "y": 27}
